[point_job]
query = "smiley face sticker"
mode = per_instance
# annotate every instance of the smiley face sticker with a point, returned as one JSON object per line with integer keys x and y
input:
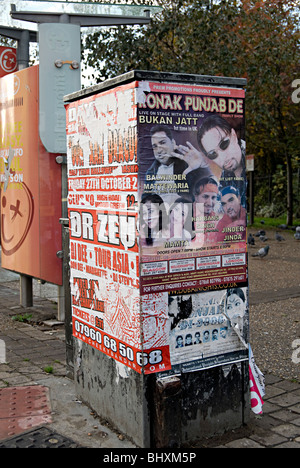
{"x": 8, "y": 60}
{"x": 17, "y": 209}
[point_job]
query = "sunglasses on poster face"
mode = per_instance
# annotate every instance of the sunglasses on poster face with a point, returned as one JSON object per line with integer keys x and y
{"x": 223, "y": 145}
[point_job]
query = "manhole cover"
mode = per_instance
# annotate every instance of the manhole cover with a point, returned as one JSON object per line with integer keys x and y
{"x": 39, "y": 438}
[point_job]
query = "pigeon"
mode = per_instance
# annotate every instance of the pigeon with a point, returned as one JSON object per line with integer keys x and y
{"x": 263, "y": 252}
{"x": 251, "y": 240}
{"x": 297, "y": 235}
{"x": 263, "y": 238}
{"x": 279, "y": 237}
{"x": 260, "y": 233}
{"x": 298, "y": 229}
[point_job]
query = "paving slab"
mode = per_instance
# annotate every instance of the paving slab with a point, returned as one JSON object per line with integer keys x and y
{"x": 289, "y": 445}
{"x": 22, "y": 408}
{"x": 244, "y": 443}
{"x": 285, "y": 400}
{"x": 290, "y": 431}
{"x": 32, "y": 346}
{"x": 269, "y": 439}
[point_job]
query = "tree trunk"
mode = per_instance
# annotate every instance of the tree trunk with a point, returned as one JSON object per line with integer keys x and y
{"x": 290, "y": 201}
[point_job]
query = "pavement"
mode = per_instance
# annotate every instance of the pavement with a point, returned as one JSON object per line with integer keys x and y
{"x": 38, "y": 403}
{"x": 35, "y": 357}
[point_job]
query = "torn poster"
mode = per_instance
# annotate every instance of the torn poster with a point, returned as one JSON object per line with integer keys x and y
{"x": 158, "y": 252}
{"x": 257, "y": 385}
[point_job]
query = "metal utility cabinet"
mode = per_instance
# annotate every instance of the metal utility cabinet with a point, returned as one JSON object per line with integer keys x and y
{"x": 158, "y": 259}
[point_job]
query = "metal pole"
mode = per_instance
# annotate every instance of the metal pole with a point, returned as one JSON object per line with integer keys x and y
{"x": 23, "y": 50}
{"x": 64, "y": 290}
{"x": 26, "y": 296}
{"x": 26, "y": 293}
{"x": 251, "y": 197}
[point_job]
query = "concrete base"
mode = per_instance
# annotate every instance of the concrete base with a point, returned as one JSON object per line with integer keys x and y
{"x": 115, "y": 392}
{"x": 215, "y": 401}
{"x": 157, "y": 412}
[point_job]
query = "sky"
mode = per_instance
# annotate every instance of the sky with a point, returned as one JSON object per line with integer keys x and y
{"x": 43, "y": 5}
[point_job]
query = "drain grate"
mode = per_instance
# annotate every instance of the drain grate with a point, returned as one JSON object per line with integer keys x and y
{"x": 39, "y": 438}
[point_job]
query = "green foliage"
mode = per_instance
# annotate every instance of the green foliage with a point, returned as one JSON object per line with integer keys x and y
{"x": 4, "y": 41}
{"x": 22, "y": 317}
{"x": 255, "y": 39}
{"x": 270, "y": 193}
{"x": 180, "y": 39}
{"x": 270, "y": 223}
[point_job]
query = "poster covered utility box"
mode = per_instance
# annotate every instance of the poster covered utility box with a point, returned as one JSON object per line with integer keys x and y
{"x": 157, "y": 212}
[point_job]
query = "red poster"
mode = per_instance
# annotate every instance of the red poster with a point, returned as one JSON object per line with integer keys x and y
{"x": 8, "y": 60}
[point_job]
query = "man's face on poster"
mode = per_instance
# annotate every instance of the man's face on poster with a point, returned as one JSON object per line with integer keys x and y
{"x": 231, "y": 205}
{"x": 188, "y": 340}
{"x": 179, "y": 341}
{"x": 209, "y": 201}
{"x": 163, "y": 147}
{"x": 223, "y": 149}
